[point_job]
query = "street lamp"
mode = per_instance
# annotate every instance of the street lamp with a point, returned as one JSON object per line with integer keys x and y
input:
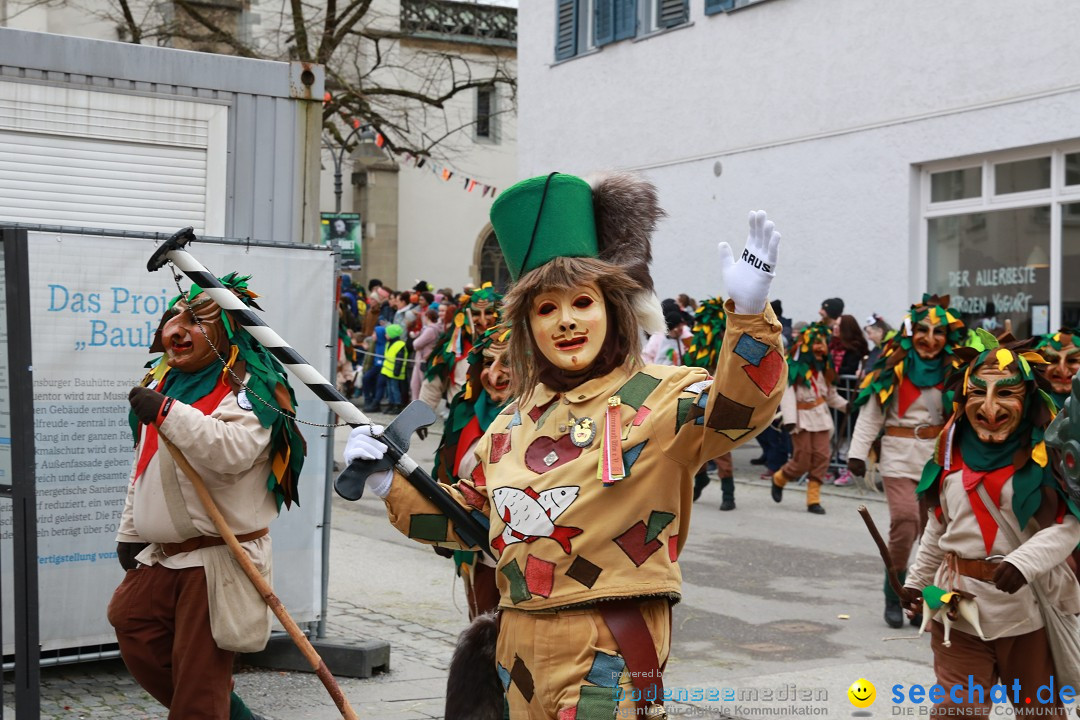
{"x": 337, "y": 154}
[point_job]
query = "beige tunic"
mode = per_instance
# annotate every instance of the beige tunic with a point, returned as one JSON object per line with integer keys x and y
{"x": 564, "y": 538}
{"x": 230, "y": 449}
{"x": 816, "y": 418}
{"x": 1042, "y": 555}
{"x": 900, "y": 456}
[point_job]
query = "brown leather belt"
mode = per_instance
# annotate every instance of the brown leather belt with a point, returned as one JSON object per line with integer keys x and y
{"x": 978, "y": 569}
{"x": 919, "y": 432}
{"x": 809, "y": 405}
{"x": 205, "y": 541}
{"x": 631, "y": 633}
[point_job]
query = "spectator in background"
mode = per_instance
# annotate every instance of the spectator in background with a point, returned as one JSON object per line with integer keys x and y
{"x": 422, "y": 344}
{"x": 668, "y": 348}
{"x": 785, "y": 322}
{"x": 830, "y": 312}
{"x": 372, "y": 373}
{"x": 848, "y": 347}
{"x": 374, "y": 300}
{"x": 878, "y": 332}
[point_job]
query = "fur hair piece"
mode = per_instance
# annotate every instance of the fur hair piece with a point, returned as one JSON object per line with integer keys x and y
{"x": 647, "y": 309}
{"x": 627, "y": 210}
{"x": 473, "y": 688}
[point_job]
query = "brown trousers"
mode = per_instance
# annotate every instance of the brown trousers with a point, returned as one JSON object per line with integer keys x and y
{"x": 1024, "y": 658}
{"x": 723, "y": 466}
{"x": 480, "y": 589}
{"x": 162, "y": 622}
{"x": 904, "y": 519}
{"x": 809, "y": 453}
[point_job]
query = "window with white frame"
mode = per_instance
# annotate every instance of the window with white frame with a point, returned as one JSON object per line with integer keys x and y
{"x": 1001, "y": 232}
{"x": 486, "y": 113}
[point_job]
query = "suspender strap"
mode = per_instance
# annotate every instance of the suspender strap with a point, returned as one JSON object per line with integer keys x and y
{"x": 631, "y": 633}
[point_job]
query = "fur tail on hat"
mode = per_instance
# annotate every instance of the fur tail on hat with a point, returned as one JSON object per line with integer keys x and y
{"x": 627, "y": 210}
{"x": 473, "y": 688}
{"x": 647, "y": 309}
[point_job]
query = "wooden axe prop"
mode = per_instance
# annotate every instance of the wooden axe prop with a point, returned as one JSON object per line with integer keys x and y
{"x": 894, "y": 580}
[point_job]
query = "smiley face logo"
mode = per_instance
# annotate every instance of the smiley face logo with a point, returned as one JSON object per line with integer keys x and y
{"x": 862, "y": 693}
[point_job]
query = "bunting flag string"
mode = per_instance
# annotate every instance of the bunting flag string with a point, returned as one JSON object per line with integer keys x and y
{"x": 447, "y": 173}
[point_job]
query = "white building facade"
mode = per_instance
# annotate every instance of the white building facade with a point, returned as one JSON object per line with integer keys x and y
{"x": 900, "y": 147}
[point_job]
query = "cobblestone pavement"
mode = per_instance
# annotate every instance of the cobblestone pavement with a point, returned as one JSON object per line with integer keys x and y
{"x": 407, "y": 595}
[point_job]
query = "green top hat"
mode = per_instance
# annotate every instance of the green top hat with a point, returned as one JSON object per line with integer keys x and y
{"x": 542, "y": 218}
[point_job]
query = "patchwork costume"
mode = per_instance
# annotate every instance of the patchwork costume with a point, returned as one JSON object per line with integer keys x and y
{"x": 901, "y": 402}
{"x": 805, "y": 407}
{"x": 182, "y": 609}
{"x": 977, "y": 583}
{"x": 585, "y": 482}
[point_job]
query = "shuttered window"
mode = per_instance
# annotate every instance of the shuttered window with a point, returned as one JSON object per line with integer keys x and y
{"x": 603, "y": 22}
{"x": 626, "y": 19}
{"x": 566, "y": 29}
{"x": 670, "y": 13}
{"x": 56, "y": 180}
{"x": 716, "y": 6}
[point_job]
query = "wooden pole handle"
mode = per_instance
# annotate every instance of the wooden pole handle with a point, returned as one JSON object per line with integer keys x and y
{"x": 272, "y": 600}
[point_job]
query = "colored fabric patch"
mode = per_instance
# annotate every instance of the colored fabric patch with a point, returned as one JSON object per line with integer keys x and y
{"x": 657, "y": 522}
{"x": 504, "y": 676}
{"x": 606, "y": 670}
{"x": 428, "y": 527}
{"x": 511, "y": 409}
{"x": 515, "y": 421}
{"x": 633, "y": 543}
{"x": 637, "y": 389}
{"x": 519, "y": 589}
{"x": 472, "y": 497}
{"x": 767, "y": 373}
{"x": 642, "y": 413}
{"x": 547, "y": 454}
{"x": 539, "y": 413}
{"x": 736, "y": 435}
{"x": 500, "y": 445}
{"x": 699, "y": 387}
{"x": 673, "y": 548}
{"x": 728, "y": 414}
{"x": 478, "y": 477}
{"x": 539, "y": 576}
{"x": 596, "y": 703}
{"x": 682, "y": 411}
{"x": 630, "y": 456}
{"x": 583, "y": 571}
{"x": 482, "y": 519}
{"x": 522, "y": 678}
{"x": 908, "y": 395}
{"x": 751, "y": 350}
{"x": 568, "y": 714}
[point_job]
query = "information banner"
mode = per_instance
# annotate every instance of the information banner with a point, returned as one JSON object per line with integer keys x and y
{"x": 94, "y": 310}
{"x": 345, "y": 228}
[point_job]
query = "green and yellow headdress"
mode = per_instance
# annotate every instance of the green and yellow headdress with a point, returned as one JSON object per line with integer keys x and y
{"x": 710, "y": 321}
{"x": 1026, "y": 450}
{"x": 457, "y": 340}
{"x": 898, "y": 358}
{"x": 274, "y": 402}
{"x": 802, "y": 363}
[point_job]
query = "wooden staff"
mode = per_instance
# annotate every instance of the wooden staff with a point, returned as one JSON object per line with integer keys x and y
{"x": 261, "y": 585}
{"x": 894, "y": 581}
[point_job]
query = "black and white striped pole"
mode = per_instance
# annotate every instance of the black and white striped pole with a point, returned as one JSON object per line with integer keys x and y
{"x": 350, "y": 484}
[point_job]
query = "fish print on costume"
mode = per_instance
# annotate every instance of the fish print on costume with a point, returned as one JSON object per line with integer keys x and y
{"x": 530, "y": 516}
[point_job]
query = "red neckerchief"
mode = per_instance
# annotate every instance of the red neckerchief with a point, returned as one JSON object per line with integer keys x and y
{"x": 469, "y": 435}
{"x": 993, "y": 481}
{"x": 909, "y": 393}
{"x": 205, "y": 405}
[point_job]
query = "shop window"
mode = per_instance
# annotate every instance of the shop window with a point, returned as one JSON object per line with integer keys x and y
{"x": 1070, "y": 264}
{"x": 996, "y": 265}
{"x": 1072, "y": 169}
{"x": 1022, "y": 176}
{"x": 956, "y": 184}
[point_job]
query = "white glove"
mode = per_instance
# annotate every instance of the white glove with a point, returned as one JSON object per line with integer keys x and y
{"x": 362, "y": 446}
{"x": 748, "y": 279}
